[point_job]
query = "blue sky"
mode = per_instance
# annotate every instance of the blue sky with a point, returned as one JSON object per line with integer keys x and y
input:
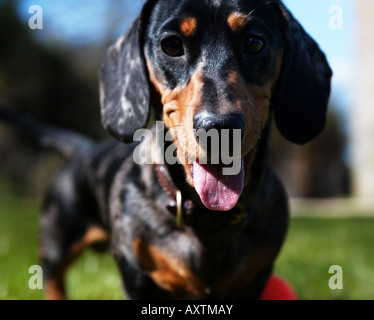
{"x": 81, "y": 22}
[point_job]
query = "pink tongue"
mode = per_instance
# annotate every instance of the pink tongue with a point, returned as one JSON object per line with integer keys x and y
{"x": 217, "y": 191}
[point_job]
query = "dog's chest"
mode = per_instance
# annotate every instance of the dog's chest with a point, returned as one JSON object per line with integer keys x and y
{"x": 187, "y": 270}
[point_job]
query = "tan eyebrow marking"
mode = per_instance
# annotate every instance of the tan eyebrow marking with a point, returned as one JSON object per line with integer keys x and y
{"x": 188, "y": 26}
{"x": 237, "y": 21}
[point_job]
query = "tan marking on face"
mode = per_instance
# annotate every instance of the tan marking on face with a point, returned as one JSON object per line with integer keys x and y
{"x": 179, "y": 107}
{"x": 188, "y": 26}
{"x": 237, "y": 21}
{"x": 254, "y": 103}
{"x": 168, "y": 272}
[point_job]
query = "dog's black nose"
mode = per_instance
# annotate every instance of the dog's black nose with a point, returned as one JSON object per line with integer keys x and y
{"x": 207, "y": 120}
{"x": 214, "y": 132}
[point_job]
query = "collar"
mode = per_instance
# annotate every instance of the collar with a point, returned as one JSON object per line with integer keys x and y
{"x": 182, "y": 206}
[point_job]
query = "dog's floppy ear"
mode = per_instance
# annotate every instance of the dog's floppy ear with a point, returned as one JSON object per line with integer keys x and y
{"x": 304, "y": 85}
{"x": 124, "y": 84}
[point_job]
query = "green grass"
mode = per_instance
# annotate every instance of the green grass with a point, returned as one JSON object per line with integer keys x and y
{"x": 312, "y": 246}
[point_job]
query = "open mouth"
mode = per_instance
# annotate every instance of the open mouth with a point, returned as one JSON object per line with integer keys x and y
{"x": 217, "y": 190}
{"x": 218, "y": 177}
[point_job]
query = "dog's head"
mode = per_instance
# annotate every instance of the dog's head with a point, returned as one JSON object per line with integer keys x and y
{"x": 215, "y": 64}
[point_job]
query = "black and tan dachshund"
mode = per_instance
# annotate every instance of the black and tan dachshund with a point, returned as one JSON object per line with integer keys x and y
{"x": 184, "y": 230}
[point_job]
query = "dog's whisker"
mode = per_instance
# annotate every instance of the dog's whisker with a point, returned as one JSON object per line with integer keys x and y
{"x": 259, "y": 7}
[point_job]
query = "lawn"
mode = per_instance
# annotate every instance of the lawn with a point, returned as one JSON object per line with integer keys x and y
{"x": 312, "y": 246}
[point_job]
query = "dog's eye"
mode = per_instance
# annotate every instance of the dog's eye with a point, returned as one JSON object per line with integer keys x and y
{"x": 172, "y": 46}
{"x": 254, "y": 44}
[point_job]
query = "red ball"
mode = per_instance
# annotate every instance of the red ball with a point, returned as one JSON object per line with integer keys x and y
{"x": 278, "y": 289}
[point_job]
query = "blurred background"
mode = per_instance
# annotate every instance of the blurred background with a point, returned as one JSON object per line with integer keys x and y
{"x": 51, "y": 73}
